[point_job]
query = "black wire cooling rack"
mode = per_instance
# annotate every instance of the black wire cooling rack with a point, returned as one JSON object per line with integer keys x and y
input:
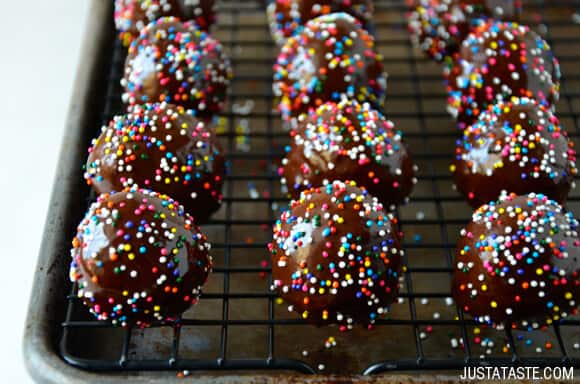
{"x": 237, "y": 325}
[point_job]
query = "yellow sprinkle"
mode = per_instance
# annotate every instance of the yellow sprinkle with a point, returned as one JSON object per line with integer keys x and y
{"x": 131, "y": 256}
{"x": 493, "y": 304}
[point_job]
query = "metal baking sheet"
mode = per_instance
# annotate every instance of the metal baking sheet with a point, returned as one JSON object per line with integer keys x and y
{"x": 257, "y": 329}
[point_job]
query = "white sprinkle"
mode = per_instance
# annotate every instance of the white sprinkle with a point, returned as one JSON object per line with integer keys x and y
{"x": 454, "y": 343}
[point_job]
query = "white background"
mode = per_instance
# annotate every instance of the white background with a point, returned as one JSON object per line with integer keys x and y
{"x": 40, "y": 42}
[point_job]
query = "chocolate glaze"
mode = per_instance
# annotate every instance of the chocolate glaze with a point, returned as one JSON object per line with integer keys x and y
{"x": 133, "y": 15}
{"x": 160, "y": 147}
{"x": 177, "y": 63}
{"x": 332, "y": 59}
{"x": 336, "y": 256}
{"x": 287, "y": 17}
{"x": 349, "y": 141}
{"x": 518, "y": 147}
{"x": 138, "y": 258}
{"x": 497, "y": 61}
{"x": 439, "y": 26}
{"x": 518, "y": 263}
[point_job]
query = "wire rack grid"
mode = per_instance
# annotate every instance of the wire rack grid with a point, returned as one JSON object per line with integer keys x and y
{"x": 237, "y": 324}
